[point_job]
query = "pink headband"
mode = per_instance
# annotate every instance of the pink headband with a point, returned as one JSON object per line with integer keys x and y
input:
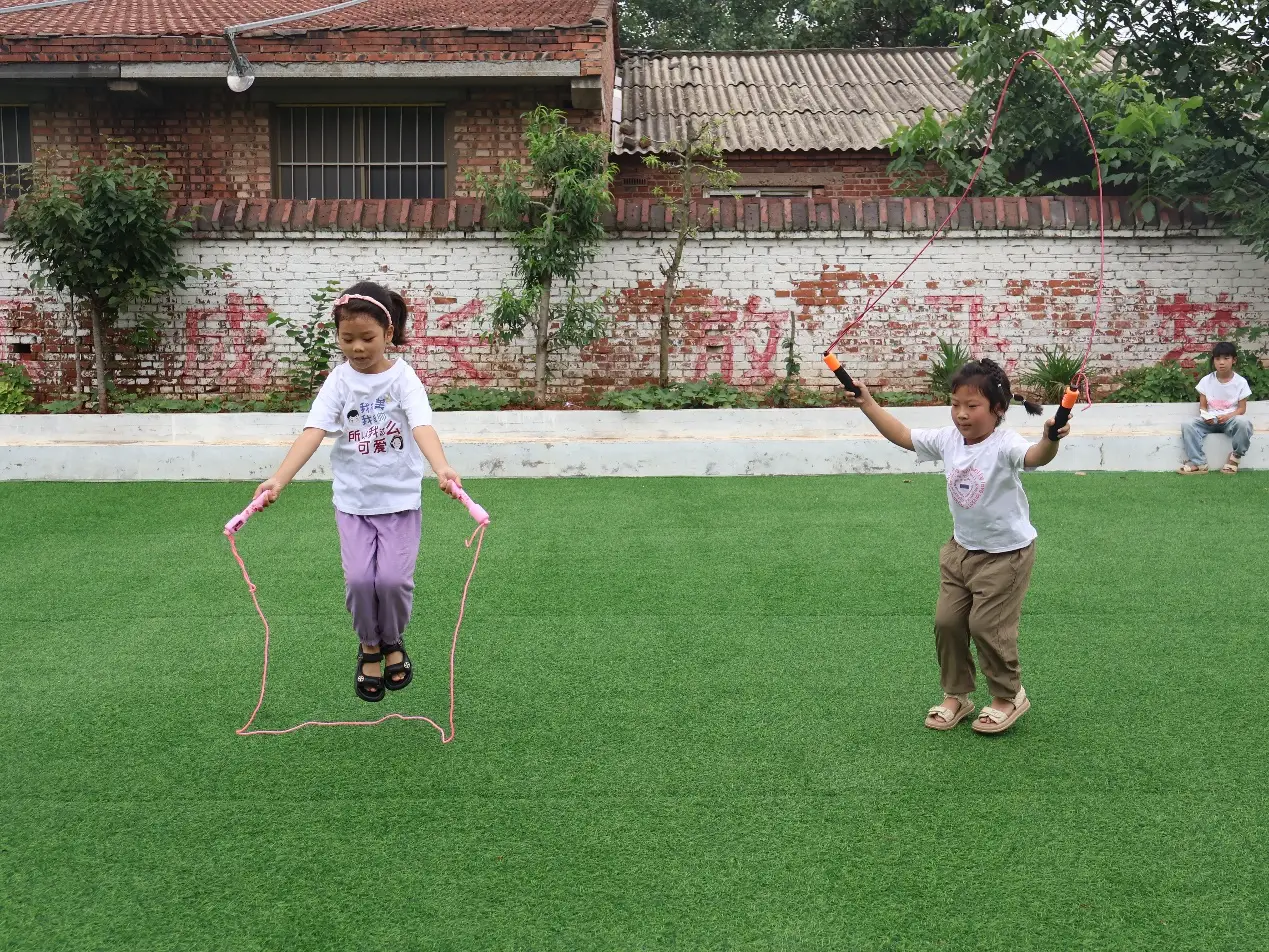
{"x": 361, "y": 297}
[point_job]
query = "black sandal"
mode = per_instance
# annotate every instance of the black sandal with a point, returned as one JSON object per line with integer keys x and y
{"x": 403, "y": 666}
{"x": 369, "y": 687}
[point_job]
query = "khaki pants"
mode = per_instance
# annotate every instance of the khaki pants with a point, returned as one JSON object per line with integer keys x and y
{"x": 980, "y": 597}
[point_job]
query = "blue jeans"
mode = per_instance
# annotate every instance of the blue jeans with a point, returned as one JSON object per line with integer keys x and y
{"x": 1193, "y": 433}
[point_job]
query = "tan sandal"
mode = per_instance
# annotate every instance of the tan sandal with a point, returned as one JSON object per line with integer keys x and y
{"x": 942, "y": 717}
{"x": 1231, "y": 465}
{"x": 1189, "y": 469}
{"x": 992, "y": 720}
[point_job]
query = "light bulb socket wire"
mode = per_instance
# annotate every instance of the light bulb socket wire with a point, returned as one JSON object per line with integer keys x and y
{"x": 237, "y": 62}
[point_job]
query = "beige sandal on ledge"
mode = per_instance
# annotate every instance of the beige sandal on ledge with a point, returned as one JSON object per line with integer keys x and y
{"x": 943, "y": 717}
{"x": 992, "y": 720}
{"x": 1231, "y": 465}
{"x": 1189, "y": 469}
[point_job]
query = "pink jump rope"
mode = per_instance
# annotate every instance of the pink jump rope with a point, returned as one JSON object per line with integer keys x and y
{"x": 1080, "y": 382}
{"x": 237, "y": 522}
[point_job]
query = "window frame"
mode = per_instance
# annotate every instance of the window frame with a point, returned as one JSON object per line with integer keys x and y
{"x": 17, "y": 166}
{"x": 362, "y": 166}
{"x": 760, "y": 191}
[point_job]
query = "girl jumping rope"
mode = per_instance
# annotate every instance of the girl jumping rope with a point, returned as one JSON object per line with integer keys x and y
{"x": 986, "y": 566}
{"x": 378, "y": 411}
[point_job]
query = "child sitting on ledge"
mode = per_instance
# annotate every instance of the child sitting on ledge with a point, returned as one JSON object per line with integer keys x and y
{"x": 1222, "y": 409}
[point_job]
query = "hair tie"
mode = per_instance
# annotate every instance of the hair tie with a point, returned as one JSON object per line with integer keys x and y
{"x": 361, "y": 297}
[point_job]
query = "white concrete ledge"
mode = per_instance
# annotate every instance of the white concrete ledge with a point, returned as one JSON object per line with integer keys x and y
{"x": 581, "y": 443}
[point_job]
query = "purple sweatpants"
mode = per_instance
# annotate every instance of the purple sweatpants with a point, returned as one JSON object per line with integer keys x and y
{"x": 379, "y": 553}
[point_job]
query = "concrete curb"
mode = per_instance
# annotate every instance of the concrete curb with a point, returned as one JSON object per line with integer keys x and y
{"x": 246, "y": 446}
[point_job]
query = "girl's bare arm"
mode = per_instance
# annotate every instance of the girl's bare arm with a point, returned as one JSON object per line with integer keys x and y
{"x": 886, "y": 423}
{"x": 301, "y": 452}
{"x": 434, "y": 453}
{"x": 1043, "y": 452}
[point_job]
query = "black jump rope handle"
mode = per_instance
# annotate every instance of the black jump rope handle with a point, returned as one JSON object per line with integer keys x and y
{"x": 840, "y": 373}
{"x": 1063, "y": 413}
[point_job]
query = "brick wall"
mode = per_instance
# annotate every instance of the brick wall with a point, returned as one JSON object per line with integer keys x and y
{"x": 489, "y": 128}
{"x": 1005, "y": 281}
{"x": 828, "y": 174}
{"x": 217, "y": 144}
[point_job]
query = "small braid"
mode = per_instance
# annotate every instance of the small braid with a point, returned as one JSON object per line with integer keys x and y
{"x": 990, "y": 379}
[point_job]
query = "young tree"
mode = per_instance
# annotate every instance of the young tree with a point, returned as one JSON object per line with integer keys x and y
{"x": 104, "y": 238}
{"x": 696, "y": 164}
{"x": 315, "y": 338}
{"x": 552, "y": 209}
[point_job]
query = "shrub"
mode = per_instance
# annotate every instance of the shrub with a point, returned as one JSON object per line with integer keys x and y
{"x": 479, "y": 398}
{"x": 784, "y": 394}
{"x": 711, "y": 394}
{"x": 273, "y": 402}
{"x": 15, "y": 389}
{"x": 901, "y": 398}
{"x": 1168, "y": 382}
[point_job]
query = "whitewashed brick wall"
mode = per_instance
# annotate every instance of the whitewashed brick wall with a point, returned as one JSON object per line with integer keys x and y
{"x": 1006, "y": 295}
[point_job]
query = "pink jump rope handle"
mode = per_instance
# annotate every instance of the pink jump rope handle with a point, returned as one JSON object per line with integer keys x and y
{"x": 240, "y": 520}
{"x": 477, "y": 511}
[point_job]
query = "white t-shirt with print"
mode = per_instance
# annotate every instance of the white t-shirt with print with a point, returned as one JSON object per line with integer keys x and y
{"x": 1223, "y": 398}
{"x": 990, "y": 512}
{"x": 376, "y": 461}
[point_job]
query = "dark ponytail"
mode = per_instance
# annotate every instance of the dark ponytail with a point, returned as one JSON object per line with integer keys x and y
{"x": 400, "y": 315}
{"x": 391, "y": 301}
{"x": 989, "y": 378}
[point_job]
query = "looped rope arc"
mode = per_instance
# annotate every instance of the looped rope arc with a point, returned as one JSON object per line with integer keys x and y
{"x": 245, "y": 731}
{"x": 1080, "y": 381}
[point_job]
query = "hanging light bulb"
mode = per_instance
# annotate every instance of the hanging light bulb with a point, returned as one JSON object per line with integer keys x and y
{"x": 241, "y": 75}
{"x": 240, "y": 81}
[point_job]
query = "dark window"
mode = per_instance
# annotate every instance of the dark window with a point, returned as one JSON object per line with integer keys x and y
{"x": 15, "y": 150}
{"x": 360, "y": 152}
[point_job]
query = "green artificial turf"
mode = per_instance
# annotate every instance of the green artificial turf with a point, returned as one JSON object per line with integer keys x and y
{"x": 689, "y": 717}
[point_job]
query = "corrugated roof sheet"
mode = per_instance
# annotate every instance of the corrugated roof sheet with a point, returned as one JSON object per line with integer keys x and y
{"x": 785, "y": 100}
{"x": 210, "y": 17}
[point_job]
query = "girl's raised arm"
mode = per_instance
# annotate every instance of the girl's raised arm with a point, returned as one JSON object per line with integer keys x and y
{"x": 886, "y": 423}
{"x": 1045, "y": 451}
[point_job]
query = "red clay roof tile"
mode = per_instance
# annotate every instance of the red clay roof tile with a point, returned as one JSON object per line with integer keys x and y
{"x": 211, "y": 17}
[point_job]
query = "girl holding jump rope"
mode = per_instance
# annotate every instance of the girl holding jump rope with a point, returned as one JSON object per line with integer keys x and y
{"x": 986, "y": 566}
{"x": 378, "y": 411}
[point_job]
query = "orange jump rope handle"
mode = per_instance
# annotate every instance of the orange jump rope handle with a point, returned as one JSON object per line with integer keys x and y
{"x": 840, "y": 373}
{"x": 1064, "y": 413}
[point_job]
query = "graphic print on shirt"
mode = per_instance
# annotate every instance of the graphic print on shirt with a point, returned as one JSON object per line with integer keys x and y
{"x": 372, "y": 428}
{"x": 967, "y": 486}
{"x": 1221, "y": 407}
